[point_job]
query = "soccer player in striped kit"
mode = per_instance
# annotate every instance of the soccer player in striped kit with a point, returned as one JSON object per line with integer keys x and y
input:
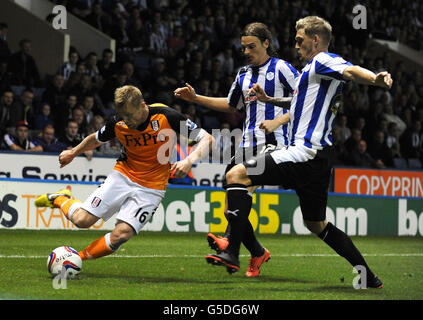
{"x": 305, "y": 165}
{"x": 277, "y": 77}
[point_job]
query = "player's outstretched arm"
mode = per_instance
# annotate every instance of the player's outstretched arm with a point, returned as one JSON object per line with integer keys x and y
{"x": 88, "y": 144}
{"x": 188, "y": 93}
{"x": 201, "y": 150}
{"x": 283, "y": 102}
{"x": 364, "y": 76}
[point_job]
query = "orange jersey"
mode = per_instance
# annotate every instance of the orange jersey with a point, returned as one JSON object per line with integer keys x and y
{"x": 145, "y": 158}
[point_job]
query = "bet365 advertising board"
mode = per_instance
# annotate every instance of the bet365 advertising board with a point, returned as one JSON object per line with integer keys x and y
{"x": 201, "y": 209}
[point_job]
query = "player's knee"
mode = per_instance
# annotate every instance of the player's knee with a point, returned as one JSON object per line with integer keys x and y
{"x": 236, "y": 175}
{"x": 315, "y": 227}
{"x": 82, "y": 220}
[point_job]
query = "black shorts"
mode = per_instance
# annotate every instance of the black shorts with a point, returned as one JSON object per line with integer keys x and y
{"x": 309, "y": 179}
{"x": 242, "y": 154}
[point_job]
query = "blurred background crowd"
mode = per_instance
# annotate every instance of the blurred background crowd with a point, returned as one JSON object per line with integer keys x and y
{"x": 161, "y": 45}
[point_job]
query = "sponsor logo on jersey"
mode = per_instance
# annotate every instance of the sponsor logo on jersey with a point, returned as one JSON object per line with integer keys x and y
{"x": 250, "y": 98}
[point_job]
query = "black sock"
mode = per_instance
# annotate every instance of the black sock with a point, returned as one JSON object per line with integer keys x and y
{"x": 239, "y": 206}
{"x": 228, "y": 228}
{"x": 343, "y": 245}
{"x": 250, "y": 241}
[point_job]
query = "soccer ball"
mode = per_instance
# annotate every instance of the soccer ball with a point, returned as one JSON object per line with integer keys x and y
{"x": 64, "y": 258}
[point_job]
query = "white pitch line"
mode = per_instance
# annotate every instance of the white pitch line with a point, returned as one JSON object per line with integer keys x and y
{"x": 242, "y": 255}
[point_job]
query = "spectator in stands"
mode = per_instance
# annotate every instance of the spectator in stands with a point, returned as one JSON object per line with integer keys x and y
{"x": 361, "y": 158}
{"x": 4, "y": 45}
{"x": 48, "y": 141}
{"x": 62, "y": 113}
{"x": 163, "y": 83}
{"x": 6, "y": 105}
{"x": 138, "y": 36}
{"x": 56, "y": 93}
{"x": 412, "y": 141}
{"x": 84, "y": 87}
{"x": 351, "y": 144}
{"x": 23, "y": 66}
{"x": 393, "y": 141}
{"x": 344, "y": 132}
{"x": 5, "y": 76}
{"x": 176, "y": 42}
{"x": 70, "y": 66}
{"x": 99, "y": 19}
{"x": 131, "y": 78}
{"x": 43, "y": 118}
{"x": 194, "y": 74}
{"x": 120, "y": 34}
{"x": 78, "y": 115}
{"x": 158, "y": 43}
{"x": 92, "y": 69}
{"x": 227, "y": 61}
{"x": 71, "y": 138}
{"x": 89, "y": 108}
{"x": 389, "y": 116}
{"x": 23, "y": 109}
{"x": 106, "y": 66}
{"x": 379, "y": 150}
{"x": 21, "y": 141}
{"x": 341, "y": 154}
{"x": 351, "y": 107}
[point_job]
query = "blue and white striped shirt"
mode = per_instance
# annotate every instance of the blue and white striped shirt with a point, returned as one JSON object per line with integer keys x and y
{"x": 277, "y": 78}
{"x": 314, "y": 104}
{"x": 313, "y": 108}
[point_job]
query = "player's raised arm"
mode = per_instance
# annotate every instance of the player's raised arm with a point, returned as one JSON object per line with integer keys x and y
{"x": 188, "y": 93}
{"x": 88, "y": 144}
{"x": 364, "y": 76}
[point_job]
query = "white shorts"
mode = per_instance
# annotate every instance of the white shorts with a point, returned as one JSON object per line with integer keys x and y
{"x": 134, "y": 203}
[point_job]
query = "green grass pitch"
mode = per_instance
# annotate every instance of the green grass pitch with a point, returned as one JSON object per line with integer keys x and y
{"x": 171, "y": 266}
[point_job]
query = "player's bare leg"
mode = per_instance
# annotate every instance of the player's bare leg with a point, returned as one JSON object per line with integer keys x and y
{"x": 108, "y": 243}
{"x": 83, "y": 219}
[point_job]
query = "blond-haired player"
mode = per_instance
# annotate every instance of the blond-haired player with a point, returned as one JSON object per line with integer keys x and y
{"x": 136, "y": 186}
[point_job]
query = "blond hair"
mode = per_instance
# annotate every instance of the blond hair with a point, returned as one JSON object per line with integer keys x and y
{"x": 128, "y": 94}
{"x": 315, "y": 25}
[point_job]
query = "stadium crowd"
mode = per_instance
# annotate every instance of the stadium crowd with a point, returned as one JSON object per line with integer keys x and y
{"x": 161, "y": 45}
